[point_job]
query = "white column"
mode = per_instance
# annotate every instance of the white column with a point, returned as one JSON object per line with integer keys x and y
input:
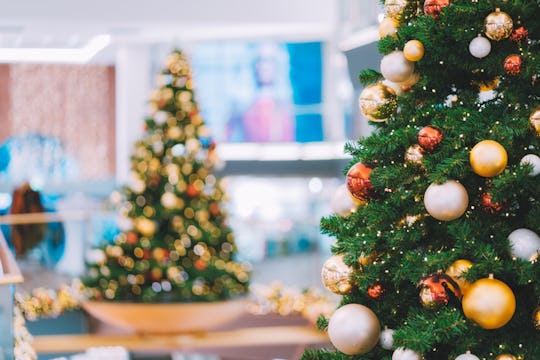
{"x": 133, "y": 85}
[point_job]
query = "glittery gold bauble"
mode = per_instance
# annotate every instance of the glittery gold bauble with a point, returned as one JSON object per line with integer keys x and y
{"x": 414, "y": 154}
{"x": 394, "y": 8}
{"x": 413, "y": 50}
{"x": 434, "y": 7}
{"x": 506, "y": 357}
{"x": 488, "y": 158}
{"x": 358, "y": 181}
{"x": 489, "y": 302}
{"x": 336, "y": 275}
{"x": 378, "y": 102}
{"x": 499, "y": 25}
{"x": 535, "y": 120}
{"x": 536, "y": 318}
{"x": 388, "y": 27}
{"x": 354, "y": 329}
{"x": 456, "y": 270}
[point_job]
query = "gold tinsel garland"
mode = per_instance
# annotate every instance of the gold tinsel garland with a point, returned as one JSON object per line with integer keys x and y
{"x": 275, "y": 298}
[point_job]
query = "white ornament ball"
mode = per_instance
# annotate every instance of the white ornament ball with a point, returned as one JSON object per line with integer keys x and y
{"x": 525, "y": 244}
{"x": 342, "y": 202}
{"x": 480, "y": 47}
{"x": 124, "y": 223}
{"x": 405, "y": 354}
{"x": 354, "y": 329}
{"x": 387, "y": 339}
{"x": 160, "y": 117}
{"x": 169, "y": 200}
{"x": 534, "y": 160}
{"x": 395, "y": 67}
{"x": 467, "y": 356}
{"x": 447, "y": 201}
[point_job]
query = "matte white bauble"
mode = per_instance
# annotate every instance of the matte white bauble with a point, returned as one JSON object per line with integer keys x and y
{"x": 342, "y": 202}
{"x": 354, "y": 329}
{"x": 534, "y": 160}
{"x": 387, "y": 339}
{"x": 447, "y": 201}
{"x": 480, "y": 47}
{"x": 395, "y": 67}
{"x": 467, "y": 356}
{"x": 405, "y": 354}
{"x": 525, "y": 244}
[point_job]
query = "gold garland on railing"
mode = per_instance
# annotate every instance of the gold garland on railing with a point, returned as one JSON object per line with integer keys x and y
{"x": 275, "y": 298}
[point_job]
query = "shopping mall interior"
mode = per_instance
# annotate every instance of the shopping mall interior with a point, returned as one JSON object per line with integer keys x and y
{"x": 276, "y": 85}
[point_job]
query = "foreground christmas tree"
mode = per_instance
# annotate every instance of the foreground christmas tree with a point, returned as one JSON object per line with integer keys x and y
{"x": 439, "y": 258}
{"x": 176, "y": 245}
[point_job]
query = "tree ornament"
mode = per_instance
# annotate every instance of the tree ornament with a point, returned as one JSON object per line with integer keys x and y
{"x": 414, "y": 154}
{"x": 192, "y": 191}
{"x": 488, "y": 85}
{"x": 536, "y": 318}
{"x": 145, "y": 226}
{"x": 488, "y": 205}
{"x": 342, "y": 202}
{"x": 354, "y": 329}
{"x": 386, "y": 339}
{"x": 512, "y": 64}
{"x": 489, "y": 302}
{"x": 394, "y": 8}
{"x": 480, "y": 47}
{"x": 376, "y": 292}
{"x": 395, "y": 67}
{"x": 534, "y": 119}
{"x": 467, "y": 356}
{"x": 378, "y": 102}
{"x": 488, "y": 158}
{"x": 437, "y": 289}
{"x": 456, "y": 270}
{"x": 429, "y": 137}
{"x": 397, "y": 87}
{"x": 519, "y": 34}
{"x": 498, "y": 25}
{"x": 364, "y": 259}
{"x": 388, "y": 27}
{"x": 406, "y": 354}
{"x": 411, "y": 81}
{"x": 506, "y": 357}
{"x": 525, "y": 244}
{"x": 358, "y": 181}
{"x": 169, "y": 200}
{"x": 336, "y": 275}
{"x": 534, "y": 161}
{"x": 447, "y": 201}
{"x": 434, "y": 7}
{"x": 413, "y": 50}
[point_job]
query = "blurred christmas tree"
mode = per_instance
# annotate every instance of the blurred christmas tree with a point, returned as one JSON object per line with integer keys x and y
{"x": 177, "y": 246}
{"x": 440, "y": 258}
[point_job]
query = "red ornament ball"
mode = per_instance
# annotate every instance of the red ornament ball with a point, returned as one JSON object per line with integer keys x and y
{"x": 512, "y": 64}
{"x": 437, "y": 289}
{"x": 191, "y": 190}
{"x": 488, "y": 205}
{"x": 519, "y": 34}
{"x": 429, "y": 137}
{"x": 376, "y": 292}
{"x": 358, "y": 181}
{"x": 434, "y": 7}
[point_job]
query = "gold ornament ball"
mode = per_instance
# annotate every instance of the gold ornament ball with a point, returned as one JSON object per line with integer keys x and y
{"x": 395, "y": 67}
{"x": 488, "y": 158}
{"x": 336, "y": 275}
{"x": 378, "y": 102}
{"x": 489, "y": 302}
{"x": 456, "y": 270}
{"x": 388, "y": 27}
{"x": 446, "y": 201}
{"x": 145, "y": 226}
{"x": 536, "y": 318}
{"x": 394, "y": 8}
{"x": 354, "y": 329}
{"x": 506, "y": 357}
{"x": 499, "y": 25}
{"x": 413, "y": 50}
{"x": 535, "y": 120}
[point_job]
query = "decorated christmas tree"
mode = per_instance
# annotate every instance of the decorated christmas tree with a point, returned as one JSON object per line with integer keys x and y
{"x": 175, "y": 244}
{"x": 438, "y": 259}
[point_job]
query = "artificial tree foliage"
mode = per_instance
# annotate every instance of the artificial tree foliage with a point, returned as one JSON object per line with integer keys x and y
{"x": 408, "y": 243}
{"x": 175, "y": 244}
